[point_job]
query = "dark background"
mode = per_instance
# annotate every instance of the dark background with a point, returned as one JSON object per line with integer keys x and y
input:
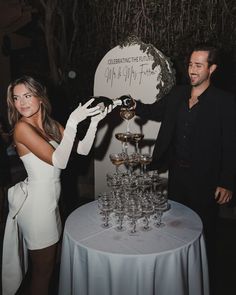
{"x": 49, "y": 38}
{"x": 52, "y": 37}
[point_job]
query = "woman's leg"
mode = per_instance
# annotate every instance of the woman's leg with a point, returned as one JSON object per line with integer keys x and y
{"x": 42, "y": 262}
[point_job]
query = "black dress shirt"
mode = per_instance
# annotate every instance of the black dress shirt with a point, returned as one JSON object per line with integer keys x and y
{"x": 212, "y": 141}
{"x": 184, "y": 133}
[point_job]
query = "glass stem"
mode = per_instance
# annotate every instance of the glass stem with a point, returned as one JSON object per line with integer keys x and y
{"x": 106, "y": 219}
{"x": 144, "y": 169}
{"x": 128, "y": 122}
{"x": 134, "y": 226}
{"x": 146, "y": 222}
{"x": 117, "y": 170}
{"x": 136, "y": 147}
{"x": 130, "y": 170}
{"x": 123, "y": 147}
{"x": 126, "y": 147}
{"x": 120, "y": 222}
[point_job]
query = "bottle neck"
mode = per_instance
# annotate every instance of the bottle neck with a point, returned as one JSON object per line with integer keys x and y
{"x": 117, "y": 102}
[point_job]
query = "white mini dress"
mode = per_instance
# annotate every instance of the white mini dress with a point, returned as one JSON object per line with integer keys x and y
{"x": 33, "y": 221}
{"x": 39, "y": 219}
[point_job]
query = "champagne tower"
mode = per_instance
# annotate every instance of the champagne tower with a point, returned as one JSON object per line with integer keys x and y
{"x": 146, "y": 74}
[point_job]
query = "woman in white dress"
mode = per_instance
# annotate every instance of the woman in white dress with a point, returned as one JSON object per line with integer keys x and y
{"x": 44, "y": 146}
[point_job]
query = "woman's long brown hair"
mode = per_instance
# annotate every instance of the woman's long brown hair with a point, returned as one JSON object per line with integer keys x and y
{"x": 50, "y": 126}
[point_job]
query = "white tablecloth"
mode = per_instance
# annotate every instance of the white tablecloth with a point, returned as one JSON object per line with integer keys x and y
{"x": 166, "y": 261}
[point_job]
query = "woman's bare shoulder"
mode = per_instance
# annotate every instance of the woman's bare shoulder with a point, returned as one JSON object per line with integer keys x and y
{"x": 29, "y": 139}
{"x": 22, "y": 127}
{"x": 24, "y": 132}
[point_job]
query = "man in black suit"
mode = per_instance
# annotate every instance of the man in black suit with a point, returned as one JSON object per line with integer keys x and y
{"x": 197, "y": 140}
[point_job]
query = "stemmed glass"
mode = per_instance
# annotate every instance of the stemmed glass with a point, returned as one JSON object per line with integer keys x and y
{"x": 124, "y": 138}
{"x": 134, "y": 212}
{"x": 117, "y": 160}
{"x": 127, "y": 114}
{"x": 132, "y": 161}
{"x": 148, "y": 209}
{"x": 119, "y": 210}
{"x": 145, "y": 159}
{"x": 105, "y": 204}
{"x": 137, "y": 137}
{"x": 130, "y": 184}
{"x": 114, "y": 181}
{"x": 156, "y": 180}
{"x": 159, "y": 208}
{"x": 164, "y": 200}
{"x": 145, "y": 183}
{"x": 158, "y": 214}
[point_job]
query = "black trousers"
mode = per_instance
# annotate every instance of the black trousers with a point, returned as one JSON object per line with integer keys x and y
{"x": 183, "y": 188}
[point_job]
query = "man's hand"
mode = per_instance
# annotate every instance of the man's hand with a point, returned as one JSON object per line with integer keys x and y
{"x": 222, "y": 195}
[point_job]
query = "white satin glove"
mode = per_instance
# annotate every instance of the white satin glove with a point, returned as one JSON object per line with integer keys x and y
{"x": 84, "y": 146}
{"x": 97, "y": 118}
{"x": 82, "y": 112}
{"x": 111, "y": 107}
{"x": 62, "y": 153}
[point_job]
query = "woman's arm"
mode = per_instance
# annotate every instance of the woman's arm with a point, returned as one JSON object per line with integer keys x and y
{"x": 84, "y": 145}
{"x": 28, "y": 139}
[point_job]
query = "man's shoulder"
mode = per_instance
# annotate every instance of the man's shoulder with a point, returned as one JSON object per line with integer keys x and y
{"x": 180, "y": 89}
{"x": 220, "y": 92}
{"x": 225, "y": 100}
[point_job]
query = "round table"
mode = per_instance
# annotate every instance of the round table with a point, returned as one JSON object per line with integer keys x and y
{"x": 170, "y": 260}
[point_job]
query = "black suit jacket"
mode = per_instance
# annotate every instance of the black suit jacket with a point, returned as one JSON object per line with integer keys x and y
{"x": 213, "y": 160}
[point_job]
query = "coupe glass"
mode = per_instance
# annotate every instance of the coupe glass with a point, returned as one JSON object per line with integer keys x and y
{"x": 164, "y": 200}
{"x": 134, "y": 212}
{"x": 117, "y": 160}
{"x": 107, "y": 208}
{"x": 145, "y": 183}
{"x": 124, "y": 138}
{"x": 106, "y": 204}
{"x": 156, "y": 180}
{"x": 127, "y": 114}
{"x": 114, "y": 181}
{"x": 119, "y": 211}
{"x": 137, "y": 137}
{"x": 145, "y": 159}
{"x": 132, "y": 161}
{"x": 159, "y": 209}
{"x": 148, "y": 209}
{"x": 159, "y": 213}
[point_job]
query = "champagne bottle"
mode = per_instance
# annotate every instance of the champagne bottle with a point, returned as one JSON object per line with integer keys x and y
{"x": 125, "y": 101}
{"x": 101, "y": 101}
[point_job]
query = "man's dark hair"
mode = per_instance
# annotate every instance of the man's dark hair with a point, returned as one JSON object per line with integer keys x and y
{"x": 213, "y": 56}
